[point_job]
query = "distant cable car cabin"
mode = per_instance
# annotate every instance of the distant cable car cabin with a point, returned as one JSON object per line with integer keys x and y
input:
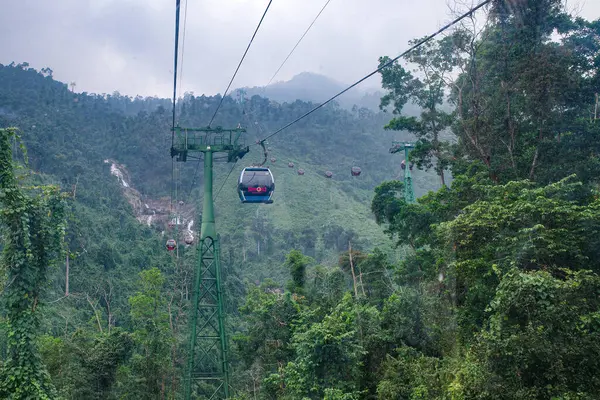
{"x": 355, "y": 171}
{"x": 273, "y": 159}
{"x": 291, "y": 164}
{"x": 403, "y": 165}
{"x": 171, "y": 244}
{"x": 256, "y": 185}
{"x": 300, "y": 171}
{"x": 328, "y": 174}
{"x": 180, "y": 202}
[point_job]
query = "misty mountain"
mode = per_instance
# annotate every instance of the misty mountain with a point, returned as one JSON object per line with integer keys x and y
{"x": 316, "y": 88}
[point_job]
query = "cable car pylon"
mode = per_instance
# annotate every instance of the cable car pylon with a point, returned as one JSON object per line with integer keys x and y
{"x": 409, "y": 194}
{"x": 207, "y": 364}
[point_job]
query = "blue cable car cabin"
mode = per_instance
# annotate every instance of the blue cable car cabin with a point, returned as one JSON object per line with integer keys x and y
{"x": 256, "y": 185}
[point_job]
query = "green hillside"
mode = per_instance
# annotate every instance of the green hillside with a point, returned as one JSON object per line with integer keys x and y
{"x": 485, "y": 288}
{"x": 69, "y": 135}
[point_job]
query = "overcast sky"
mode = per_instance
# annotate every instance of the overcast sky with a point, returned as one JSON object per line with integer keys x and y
{"x": 127, "y": 45}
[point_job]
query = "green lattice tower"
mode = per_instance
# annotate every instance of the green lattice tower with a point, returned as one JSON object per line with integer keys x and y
{"x": 207, "y": 372}
{"x": 241, "y": 96}
{"x": 409, "y": 194}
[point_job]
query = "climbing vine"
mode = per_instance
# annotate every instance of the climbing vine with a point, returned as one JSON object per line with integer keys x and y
{"x": 33, "y": 221}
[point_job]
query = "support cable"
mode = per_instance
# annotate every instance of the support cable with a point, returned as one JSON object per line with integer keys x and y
{"x": 294, "y": 48}
{"x": 225, "y": 93}
{"x": 420, "y": 43}
{"x": 172, "y": 183}
{"x": 225, "y": 181}
{"x": 178, "y": 169}
{"x": 189, "y": 193}
{"x": 177, "y": 12}
{"x": 240, "y": 63}
{"x": 182, "y": 47}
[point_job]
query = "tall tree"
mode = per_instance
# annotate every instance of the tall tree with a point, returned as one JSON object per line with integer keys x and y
{"x": 297, "y": 263}
{"x": 152, "y": 335}
{"x": 435, "y": 62}
{"x": 520, "y": 90}
{"x": 33, "y": 223}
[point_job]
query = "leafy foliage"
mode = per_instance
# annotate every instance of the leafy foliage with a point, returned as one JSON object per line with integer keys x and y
{"x": 33, "y": 236}
{"x": 491, "y": 291}
{"x": 435, "y": 61}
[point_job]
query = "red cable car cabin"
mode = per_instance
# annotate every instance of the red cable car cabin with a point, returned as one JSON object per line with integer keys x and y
{"x": 171, "y": 244}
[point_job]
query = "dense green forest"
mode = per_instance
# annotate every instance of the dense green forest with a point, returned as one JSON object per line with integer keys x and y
{"x": 487, "y": 287}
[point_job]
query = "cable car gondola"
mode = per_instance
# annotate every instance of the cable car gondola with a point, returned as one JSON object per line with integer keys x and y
{"x": 256, "y": 185}
{"x": 171, "y": 244}
{"x": 300, "y": 171}
{"x": 291, "y": 164}
{"x": 355, "y": 171}
{"x": 403, "y": 165}
{"x": 328, "y": 174}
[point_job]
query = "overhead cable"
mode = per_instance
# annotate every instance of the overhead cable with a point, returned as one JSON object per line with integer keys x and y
{"x": 177, "y": 12}
{"x": 182, "y": 47}
{"x": 227, "y": 89}
{"x": 223, "y": 184}
{"x": 177, "y": 9}
{"x": 240, "y": 63}
{"x": 417, "y": 45}
{"x": 294, "y": 48}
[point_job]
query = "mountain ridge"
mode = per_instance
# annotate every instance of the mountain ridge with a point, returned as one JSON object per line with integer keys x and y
{"x": 316, "y": 88}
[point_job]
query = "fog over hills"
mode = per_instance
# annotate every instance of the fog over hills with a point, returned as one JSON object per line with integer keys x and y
{"x": 309, "y": 86}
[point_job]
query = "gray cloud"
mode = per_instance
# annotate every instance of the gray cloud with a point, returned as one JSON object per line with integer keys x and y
{"x": 127, "y": 45}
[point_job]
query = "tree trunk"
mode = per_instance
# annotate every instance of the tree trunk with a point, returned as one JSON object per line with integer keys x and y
{"x": 75, "y": 186}
{"x": 67, "y": 275}
{"x": 352, "y": 269}
{"x": 95, "y": 312}
{"x": 362, "y": 287}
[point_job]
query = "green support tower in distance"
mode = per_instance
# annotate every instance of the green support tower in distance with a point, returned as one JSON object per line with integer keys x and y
{"x": 207, "y": 372}
{"x": 409, "y": 194}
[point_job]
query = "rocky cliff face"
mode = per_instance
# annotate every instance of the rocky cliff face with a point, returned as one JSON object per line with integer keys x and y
{"x": 159, "y": 214}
